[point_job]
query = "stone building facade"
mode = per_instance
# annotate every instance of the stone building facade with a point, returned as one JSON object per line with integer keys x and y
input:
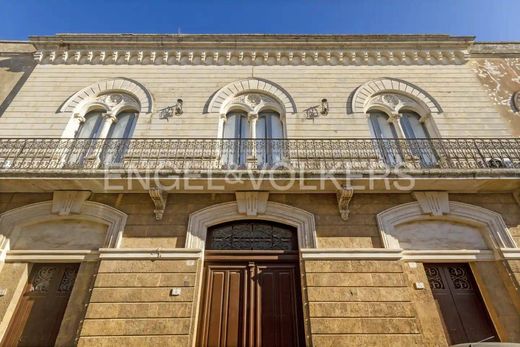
{"x": 188, "y": 190}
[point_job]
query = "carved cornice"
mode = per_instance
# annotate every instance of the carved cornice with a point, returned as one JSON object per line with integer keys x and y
{"x": 252, "y": 49}
{"x": 319, "y": 56}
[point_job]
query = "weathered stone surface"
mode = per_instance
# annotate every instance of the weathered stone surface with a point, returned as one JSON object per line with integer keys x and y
{"x": 364, "y": 326}
{"x": 145, "y": 280}
{"x": 341, "y": 294}
{"x": 135, "y": 326}
{"x": 148, "y": 266}
{"x": 139, "y": 310}
{"x": 369, "y": 266}
{"x": 361, "y": 309}
{"x": 135, "y": 341}
{"x": 139, "y": 295}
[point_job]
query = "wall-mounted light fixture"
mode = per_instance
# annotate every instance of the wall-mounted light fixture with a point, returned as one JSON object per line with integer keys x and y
{"x": 170, "y": 111}
{"x": 315, "y": 111}
{"x": 324, "y": 107}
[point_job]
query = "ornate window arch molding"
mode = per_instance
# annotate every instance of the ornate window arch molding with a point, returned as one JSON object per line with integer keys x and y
{"x": 40, "y": 212}
{"x": 491, "y": 222}
{"x": 391, "y": 96}
{"x": 120, "y": 84}
{"x": 265, "y": 93}
{"x": 110, "y": 96}
{"x": 201, "y": 220}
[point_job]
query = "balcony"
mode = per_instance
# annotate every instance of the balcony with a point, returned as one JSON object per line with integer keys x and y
{"x": 39, "y": 158}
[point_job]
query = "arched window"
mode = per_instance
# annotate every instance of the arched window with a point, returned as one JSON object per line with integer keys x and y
{"x": 118, "y": 138}
{"x": 124, "y": 125}
{"x": 236, "y": 133}
{"x": 246, "y": 137}
{"x": 91, "y": 126}
{"x": 412, "y": 126}
{"x": 382, "y": 128}
{"x": 269, "y": 138}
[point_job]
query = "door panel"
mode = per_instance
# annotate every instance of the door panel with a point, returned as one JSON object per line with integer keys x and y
{"x": 38, "y": 317}
{"x": 461, "y": 305}
{"x": 224, "y": 309}
{"x": 251, "y": 304}
{"x": 277, "y": 305}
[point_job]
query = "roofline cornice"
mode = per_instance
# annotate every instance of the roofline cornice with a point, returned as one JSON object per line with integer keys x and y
{"x": 252, "y": 49}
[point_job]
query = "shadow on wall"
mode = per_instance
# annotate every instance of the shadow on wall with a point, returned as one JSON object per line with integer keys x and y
{"x": 10, "y": 69}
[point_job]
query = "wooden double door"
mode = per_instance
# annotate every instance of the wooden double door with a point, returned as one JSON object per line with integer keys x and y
{"x": 251, "y": 300}
{"x": 38, "y": 316}
{"x": 463, "y": 311}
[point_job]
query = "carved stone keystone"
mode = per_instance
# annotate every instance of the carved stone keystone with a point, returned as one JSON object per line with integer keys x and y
{"x": 65, "y": 202}
{"x": 252, "y": 203}
{"x": 434, "y": 203}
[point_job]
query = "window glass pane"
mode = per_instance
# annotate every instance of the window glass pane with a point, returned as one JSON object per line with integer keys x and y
{"x": 381, "y": 128}
{"x": 412, "y": 126}
{"x": 236, "y": 129}
{"x": 269, "y": 127}
{"x": 91, "y": 127}
{"x": 236, "y": 126}
{"x": 124, "y": 127}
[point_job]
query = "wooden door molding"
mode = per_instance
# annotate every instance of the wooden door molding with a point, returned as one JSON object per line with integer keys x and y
{"x": 461, "y": 305}
{"x": 40, "y": 310}
{"x": 250, "y": 292}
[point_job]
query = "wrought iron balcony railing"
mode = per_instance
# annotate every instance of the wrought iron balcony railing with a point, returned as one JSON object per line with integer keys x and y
{"x": 176, "y": 154}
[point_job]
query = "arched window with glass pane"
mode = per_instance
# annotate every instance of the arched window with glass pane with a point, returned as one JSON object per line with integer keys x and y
{"x": 118, "y": 137}
{"x": 269, "y": 138}
{"x": 418, "y": 138}
{"x": 386, "y": 137}
{"x": 86, "y": 135}
{"x": 90, "y": 128}
{"x": 234, "y": 143}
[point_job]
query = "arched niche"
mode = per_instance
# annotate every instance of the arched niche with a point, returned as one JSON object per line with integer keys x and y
{"x": 465, "y": 226}
{"x": 201, "y": 220}
{"x": 35, "y": 227}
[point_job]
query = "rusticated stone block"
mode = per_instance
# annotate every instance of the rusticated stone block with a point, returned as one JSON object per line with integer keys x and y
{"x": 342, "y": 294}
{"x": 361, "y": 309}
{"x": 141, "y": 310}
{"x": 162, "y": 326}
{"x": 372, "y": 266}
{"x": 135, "y": 341}
{"x": 355, "y": 280}
{"x": 367, "y": 340}
{"x": 147, "y": 266}
{"x": 139, "y": 295}
{"x": 145, "y": 280}
{"x": 364, "y": 326}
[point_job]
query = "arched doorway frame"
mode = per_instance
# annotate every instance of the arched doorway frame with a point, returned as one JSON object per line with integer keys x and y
{"x": 201, "y": 220}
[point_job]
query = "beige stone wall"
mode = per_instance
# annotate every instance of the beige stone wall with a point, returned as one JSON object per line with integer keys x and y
{"x": 362, "y": 300}
{"x": 362, "y": 303}
{"x": 131, "y": 304}
{"x": 468, "y": 111}
{"x": 359, "y": 231}
{"x": 16, "y": 64}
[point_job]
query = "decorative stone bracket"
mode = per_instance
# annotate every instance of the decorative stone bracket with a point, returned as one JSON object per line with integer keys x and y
{"x": 65, "y": 202}
{"x": 344, "y": 195}
{"x": 252, "y": 203}
{"x": 433, "y": 203}
{"x": 159, "y": 198}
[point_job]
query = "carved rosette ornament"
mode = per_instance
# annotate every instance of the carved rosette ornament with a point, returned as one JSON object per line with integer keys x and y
{"x": 391, "y": 101}
{"x": 114, "y": 101}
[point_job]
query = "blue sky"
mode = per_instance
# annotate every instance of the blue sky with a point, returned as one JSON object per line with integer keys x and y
{"x": 489, "y": 20}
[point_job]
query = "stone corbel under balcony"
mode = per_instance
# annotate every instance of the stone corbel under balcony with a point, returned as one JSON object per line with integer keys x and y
{"x": 344, "y": 195}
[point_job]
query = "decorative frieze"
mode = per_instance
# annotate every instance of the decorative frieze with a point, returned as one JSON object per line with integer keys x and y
{"x": 252, "y": 57}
